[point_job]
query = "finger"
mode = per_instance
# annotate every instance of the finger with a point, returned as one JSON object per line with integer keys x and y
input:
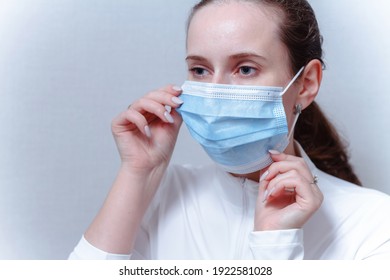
{"x": 130, "y": 120}
{"x": 279, "y": 156}
{"x": 294, "y": 163}
{"x": 292, "y": 184}
{"x": 158, "y": 103}
{"x": 286, "y": 181}
{"x": 167, "y": 95}
{"x": 155, "y": 108}
{"x": 263, "y": 193}
{"x": 173, "y": 89}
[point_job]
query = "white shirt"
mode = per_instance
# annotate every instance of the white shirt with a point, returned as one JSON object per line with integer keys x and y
{"x": 205, "y": 213}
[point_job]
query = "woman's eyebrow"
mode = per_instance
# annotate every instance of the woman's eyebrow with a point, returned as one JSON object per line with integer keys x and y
{"x": 247, "y": 55}
{"x": 234, "y": 56}
{"x": 196, "y": 57}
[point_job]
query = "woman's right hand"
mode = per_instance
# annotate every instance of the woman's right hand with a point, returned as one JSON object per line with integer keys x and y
{"x": 145, "y": 135}
{"x": 146, "y": 132}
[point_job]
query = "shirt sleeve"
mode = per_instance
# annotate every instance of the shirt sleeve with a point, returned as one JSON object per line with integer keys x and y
{"x": 381, "y": 253}
{"x": 277, "y": 245}
{"x": 376, "y": 245}
{"x": 86, "y": 251}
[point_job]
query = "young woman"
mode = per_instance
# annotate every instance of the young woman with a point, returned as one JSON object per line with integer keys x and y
{"x": 254, "y": 70}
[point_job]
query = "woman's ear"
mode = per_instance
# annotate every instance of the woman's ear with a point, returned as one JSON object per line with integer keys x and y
{"x": 310, "y": 83}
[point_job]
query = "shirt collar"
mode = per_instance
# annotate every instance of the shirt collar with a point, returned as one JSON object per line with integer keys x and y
{"x": 302, "y": 154}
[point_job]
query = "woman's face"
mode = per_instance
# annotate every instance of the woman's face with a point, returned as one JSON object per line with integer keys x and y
{"x": 239, "y": 43}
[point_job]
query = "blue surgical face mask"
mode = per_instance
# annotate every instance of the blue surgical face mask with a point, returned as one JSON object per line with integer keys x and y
{"x": 236, "y": 125}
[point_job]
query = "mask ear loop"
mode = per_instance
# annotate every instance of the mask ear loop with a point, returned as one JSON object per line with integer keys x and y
{"x": 298, "y": 107}
{"x": 297, "y": 112}
{"x": 292, "y": 81}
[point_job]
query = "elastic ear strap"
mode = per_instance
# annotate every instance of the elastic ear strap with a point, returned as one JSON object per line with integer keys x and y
{"x": 297, "y": 112}
{"x": 292, "y": 81}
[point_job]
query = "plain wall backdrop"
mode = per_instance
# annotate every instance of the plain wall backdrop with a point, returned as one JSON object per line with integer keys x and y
{"x": 67, "y": 67}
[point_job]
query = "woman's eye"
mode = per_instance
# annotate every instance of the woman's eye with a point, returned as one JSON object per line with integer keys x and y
{"x": 247, "y": 70}
{"x": 198, "y": 71}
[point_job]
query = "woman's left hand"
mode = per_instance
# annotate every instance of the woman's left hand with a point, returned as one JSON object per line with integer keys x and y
{"x": 288, "y": 194}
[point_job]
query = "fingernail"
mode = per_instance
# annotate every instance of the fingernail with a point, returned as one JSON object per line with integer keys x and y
{"x": 177, "y": 88}
{"x": 168, "y": 108}
{"x": 265, "y": 196}
{"x": 148, "y": 133}
{"x": 177, "y": 100}
{"x": 265, "y": 174}
{"x": 289, "y": 189}
{"x": 168, "y": 117}
{"x": 274, "y": 152}
{"x": 270, "y": 193}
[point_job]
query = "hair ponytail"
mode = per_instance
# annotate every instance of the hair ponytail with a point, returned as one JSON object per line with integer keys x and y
{"x": 320, "y": 140}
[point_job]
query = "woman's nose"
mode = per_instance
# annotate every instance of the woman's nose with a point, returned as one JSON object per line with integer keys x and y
{"x": 220, "y": 78}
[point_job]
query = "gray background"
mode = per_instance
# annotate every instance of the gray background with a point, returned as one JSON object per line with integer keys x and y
{"x": 68, "y": 67}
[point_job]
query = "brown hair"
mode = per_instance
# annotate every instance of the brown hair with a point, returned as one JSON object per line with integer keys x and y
{"x": 301, "y": 35}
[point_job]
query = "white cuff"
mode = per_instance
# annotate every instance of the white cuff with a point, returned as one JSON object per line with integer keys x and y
{"x": 277, "y": 245}
{"x": 86, "y": 251}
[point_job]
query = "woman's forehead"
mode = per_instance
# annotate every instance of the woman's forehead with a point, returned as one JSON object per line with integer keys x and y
{"x": 234, "y": 27}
